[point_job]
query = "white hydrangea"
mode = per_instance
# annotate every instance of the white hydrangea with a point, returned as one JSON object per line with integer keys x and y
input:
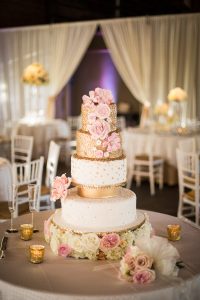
{"x": 143, "y": 232}
{"x": 128, "y": 237}
{"x": 90, "y": 242}
{"x": 115, "y": 254}
{"x": 75, "y": 242}
{"x": 54, "y": 244}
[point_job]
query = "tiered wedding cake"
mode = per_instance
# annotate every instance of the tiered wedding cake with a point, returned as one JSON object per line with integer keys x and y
{"x": 98, "y": 218}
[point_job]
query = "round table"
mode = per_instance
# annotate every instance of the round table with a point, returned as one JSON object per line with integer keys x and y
{"x": 5, "y": 178}
{"x": 138, "y": 141}
{"x": 59, "y": 278}
{"x": 43, "y": 131}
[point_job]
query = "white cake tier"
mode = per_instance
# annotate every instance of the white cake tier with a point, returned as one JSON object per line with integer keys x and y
{"x": 98, "y": 172}
{"x": 99, "y": 215}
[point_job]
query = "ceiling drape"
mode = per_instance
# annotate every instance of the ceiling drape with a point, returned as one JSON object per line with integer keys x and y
{"x": 155, "y": 54}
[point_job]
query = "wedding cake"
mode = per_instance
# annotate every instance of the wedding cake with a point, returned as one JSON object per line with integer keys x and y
{"x": 98, "y": 217}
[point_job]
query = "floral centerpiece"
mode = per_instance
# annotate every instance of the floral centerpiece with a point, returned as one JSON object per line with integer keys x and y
{"x": 177, "y": 94}
{"x": 178, "y": 105}
{"x": 35, "y": 74}
{"x": 149, "y": 258}
{"x": 161, "y": 109}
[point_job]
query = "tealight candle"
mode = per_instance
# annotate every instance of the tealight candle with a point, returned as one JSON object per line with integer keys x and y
{"x": 26, "y": 232}
{"x": 174, "y": 232}
{"x": 36, "y": 253}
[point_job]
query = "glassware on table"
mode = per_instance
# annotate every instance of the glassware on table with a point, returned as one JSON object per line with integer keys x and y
{"x": 12, "y": 204}
{"x": 33, "y": 194}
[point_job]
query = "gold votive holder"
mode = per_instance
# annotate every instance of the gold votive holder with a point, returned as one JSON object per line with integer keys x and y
{"x": 174, "y": 232}
{"x": 26, "y": 232}
{"x": 36, "y": 253}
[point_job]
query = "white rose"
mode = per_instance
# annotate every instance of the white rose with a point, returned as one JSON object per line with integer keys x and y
{"x": 90, "y": 242}
{"x": 128, "y": 237}
{"x": 54, "y": 244}
{"x": 75, "y": 242}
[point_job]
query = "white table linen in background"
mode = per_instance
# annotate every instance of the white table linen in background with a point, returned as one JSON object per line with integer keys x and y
{"x": 43, "y": 132}
{"x": 58, "y": 278}
{"x": 137, "y": 141}
{"x": 5, "y": 179}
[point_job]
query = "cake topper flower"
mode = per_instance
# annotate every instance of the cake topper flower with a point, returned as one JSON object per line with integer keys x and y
{"x": 177, "y": 94}
{"x": 60, "y": 187}
{"x": 98, "y": 96}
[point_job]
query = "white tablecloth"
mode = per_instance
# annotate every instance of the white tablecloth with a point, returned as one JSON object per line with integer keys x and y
{"x": 58, "y": 278}
{"x": 43, "y": 132}
{"x": 5, "y": 178}
{"x": 137, "y": 141}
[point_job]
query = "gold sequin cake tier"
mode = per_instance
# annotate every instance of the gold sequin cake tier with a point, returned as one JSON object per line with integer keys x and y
{"x": 85, "y": 111}
{"x": 87, "y": 147}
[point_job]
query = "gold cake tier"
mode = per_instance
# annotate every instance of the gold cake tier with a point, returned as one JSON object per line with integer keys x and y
{"x": 100, "y": 192}
{"x": 113, "y": 117}
{"x": 86, "y": 146}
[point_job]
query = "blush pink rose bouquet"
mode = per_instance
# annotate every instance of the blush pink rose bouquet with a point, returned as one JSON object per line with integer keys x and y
{"x": 102, "y": 111}
{"x": 60, "y": 187}
{"x": 112, "y": 142}
{"x": 98, "y": 96}
{"x": 136, "y": 266}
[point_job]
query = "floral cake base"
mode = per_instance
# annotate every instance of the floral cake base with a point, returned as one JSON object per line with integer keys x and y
{"x": 106, "y": 245}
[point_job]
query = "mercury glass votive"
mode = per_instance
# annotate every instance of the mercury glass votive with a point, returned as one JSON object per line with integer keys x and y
{"x": 174, "y": 232}
{"x": 36, "y": 253}
{"x": 26, "y": 232}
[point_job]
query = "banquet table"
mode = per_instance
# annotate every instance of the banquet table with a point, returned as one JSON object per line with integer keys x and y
{"x": 5, "y": 178}
{"x": 67, "y": 278}
{"x": 138, "y": 141}
{"x": 43, "y": 131}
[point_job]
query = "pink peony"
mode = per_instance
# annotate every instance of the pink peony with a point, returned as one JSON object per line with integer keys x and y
{"x": 99, "y": 129}
{"x": 112, "y": 142}
{"x": 143, "y": 276}
{"x": 99, "y": 153}
{"x": 64, "y": 250}
{"x": 102, "y": 111}
{"x": 143, "y": 261}
{"x": 59, "y": 187}
{"x": 109, "y": 241}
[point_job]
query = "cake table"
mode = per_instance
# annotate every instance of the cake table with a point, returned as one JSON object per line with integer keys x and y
{"x": 58, "y": 278}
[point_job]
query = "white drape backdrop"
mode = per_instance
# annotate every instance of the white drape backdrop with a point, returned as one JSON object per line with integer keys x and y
{"x": 152, "y": 55}
{"x": 58, "y": 47}
{"x": 155, "y": 54}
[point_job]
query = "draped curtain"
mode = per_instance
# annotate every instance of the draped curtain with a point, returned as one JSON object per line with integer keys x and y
{"x": 155, "y": 54}
{"x": 152, "y": 55}
{"x": 58, "y": 47}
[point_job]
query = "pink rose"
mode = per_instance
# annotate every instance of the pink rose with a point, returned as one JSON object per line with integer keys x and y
{"x": 64, "y": 250}
{"x": 60, "y": 186}
{"x": 112, "y": 142}
{"x": 143, "y": 276}
{"x": 92, "y": 117}
{"x": 47, "y": 224}
{"x": 143, "y": 261}
{"x": 102, "y": 111}
{"x": 99, "y": 129}
{"x": 99, "y": 153}
{"x": 130, "y": 261}
{"x": 103, "y": 96}
{"x": 109, "y": 241}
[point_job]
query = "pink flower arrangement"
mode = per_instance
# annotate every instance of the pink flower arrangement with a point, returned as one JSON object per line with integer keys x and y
{"x": 109, "y": 241}
{"x": 143, "y": 276}
{"x": 99, "y": 129}
{"x": 99, "y": 153}
{"x": 60, "y": 187}
{"x": 64, "y": 250}
{"x": 136, "y": 266}
{"x": 112, "y": 142}
{"x": 98, "y": 96}
{"x": 102, "y": 111}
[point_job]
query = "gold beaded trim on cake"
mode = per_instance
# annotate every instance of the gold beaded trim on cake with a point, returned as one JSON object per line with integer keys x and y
{"x": 101, "y": 192}
{"x": 99, "y": 159}
{"x": 100, "y": 234}
{"x": 84, "y": 116}
{"x": 87, "y": 147}
{"x": 97, "y": 186}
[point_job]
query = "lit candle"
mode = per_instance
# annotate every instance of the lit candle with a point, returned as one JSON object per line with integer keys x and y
{"x": 36, "y": 253}
{"x": 26, "y": 232}
{"x": 174, "y": 232}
